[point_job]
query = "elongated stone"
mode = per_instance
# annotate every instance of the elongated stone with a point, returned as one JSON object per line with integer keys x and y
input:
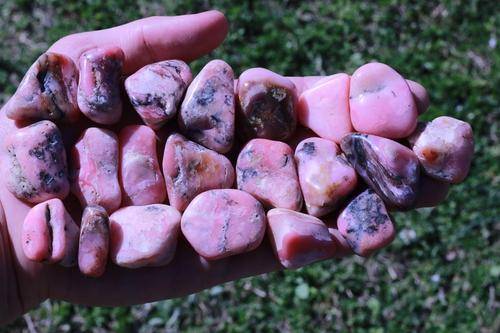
{"x": 144, "y": 235}
{"x": 94, "y": 241}
{"x": 36, "y": 163}
{"x": 222, "y": 223}
{"x": 47, "y": 91}
{"x": 156, "y": 90}
{"x": 381, "y": 102}
{"x": 207, "y": 112}
{"x": 190, "y": 169}
{"x": 267, "y": 105}
{"x": 99, "y": 84}
{"x": 365, "y": 224}
{"x": 445, "y": 148}
{"x": 420, "y": 96}
{"x": 299, "y": 239}
{"x": 266, "y": 170}
{"x": 389, "y": 168}
{"x": 324, "y": 108}
{"x": 49, "y": 234}
{"x": 140, "y": 175}
{"x": 95, "y": 169}
{"x": 325, "y": 177}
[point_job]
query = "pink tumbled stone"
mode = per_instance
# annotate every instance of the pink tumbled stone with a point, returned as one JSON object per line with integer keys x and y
{"x": 95, "y": 169}
{"x": 389, "y": 168}
{"x": 47, "y": 91}
{"x": 99, "y": 84}
{"x": 36, "y": 163}
{"x": 267, "y": 103}
{"x": 207, "y": 112}
{"x": 144, "y": 235}
{"x": 49, "y": 234}
{"x": 299, "y": 239}
{"x": 381, "y": 102}
{"x": 324, "y": 108}
{"x": 325, "y": 177}
{"x": 94, "y": 241}
{"x": 190, "y": 169}
{"x": 365, "y": 224}
{"x": 156, "y": 90}
{"x": 445, "y": 148}
{"x": 420, "y": 96}
{"x": 266, "y": 169}
{"x": 140, "y": 175}
{"x": 222, "y": 223}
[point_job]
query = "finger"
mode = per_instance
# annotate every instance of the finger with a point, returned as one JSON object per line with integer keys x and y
{"x": 153, "y": 39}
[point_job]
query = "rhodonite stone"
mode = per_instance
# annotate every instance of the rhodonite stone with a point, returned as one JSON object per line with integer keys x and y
{"x": 99, "y": 84}
{"x": 267, "y": 103}
{"x": 366, "y": 224}
{"x": 49, "y": 234}
{"x": 389, "y": 168}
{"x": 420, "y": 96}
{"x": 144, "y": 235}
{"x": 190, "y": 169}
{"x": 324, "y": 108}
{"x": 36, "y": 163}
{"x": 325, "y": 177}
{"x": 221, "y": 223}
{"x": 47, "y": 91}
{"x": 156, "y": 90}
{"x": 445, "y": 148}
{"x": 140, "y": 175}
{"x": 95, "y": 169}
{"x": 94, "y": 241}
{"x": 299, "y": 239}
{"x": 381, "y": 102}
{"x": 207, "y": 112}
{"x": 266, "y": 170}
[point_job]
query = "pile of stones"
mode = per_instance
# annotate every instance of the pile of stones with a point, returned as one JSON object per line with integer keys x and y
{"x": 318, "y": 172}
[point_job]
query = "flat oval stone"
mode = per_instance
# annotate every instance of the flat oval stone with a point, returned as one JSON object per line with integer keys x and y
{"x": 36, "y": 163}
{"x": 190, "y": 169}
{"x": 47, "y": 91}
{"x": 365, "y": 224}
{"x": 381, "y": 102}
{"x": 140, "y": 175}
{"x": 267, "y": 103}
{"x": 324, "y": 108}
{"x": 420, "y": 96}
{"x": 95, "y": 169}
{"x": 156, "y": 90}
{"x": 266, "y": 170}
{"x": 49, "y": 234}
{"x": 207, "y": 112}
{"x": 389, "y": 168}
{"x": 325, "y": 177}
{"x": 99, "y": 85}
{"x": 445, "y": 148}
{"x": 144, "y": 235}
{"x": 299, "y": 239}
{"x": 94, "y": 241}
{"x": 222, "y": 223}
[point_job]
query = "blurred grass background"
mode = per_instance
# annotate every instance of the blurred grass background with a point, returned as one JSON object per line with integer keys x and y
{"x": 441, "y": 273}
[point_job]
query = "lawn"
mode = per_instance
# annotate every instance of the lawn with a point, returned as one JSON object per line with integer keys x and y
{"x": 441, "y": 273}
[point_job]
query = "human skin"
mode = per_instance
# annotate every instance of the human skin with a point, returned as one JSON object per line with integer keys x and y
{"x": 25, "y": 284}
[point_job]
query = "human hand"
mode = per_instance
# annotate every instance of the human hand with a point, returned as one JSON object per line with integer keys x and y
{"x": 24, "y": 284}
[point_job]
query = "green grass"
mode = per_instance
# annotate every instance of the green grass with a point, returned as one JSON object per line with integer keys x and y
{"x": 441, "y": 273}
